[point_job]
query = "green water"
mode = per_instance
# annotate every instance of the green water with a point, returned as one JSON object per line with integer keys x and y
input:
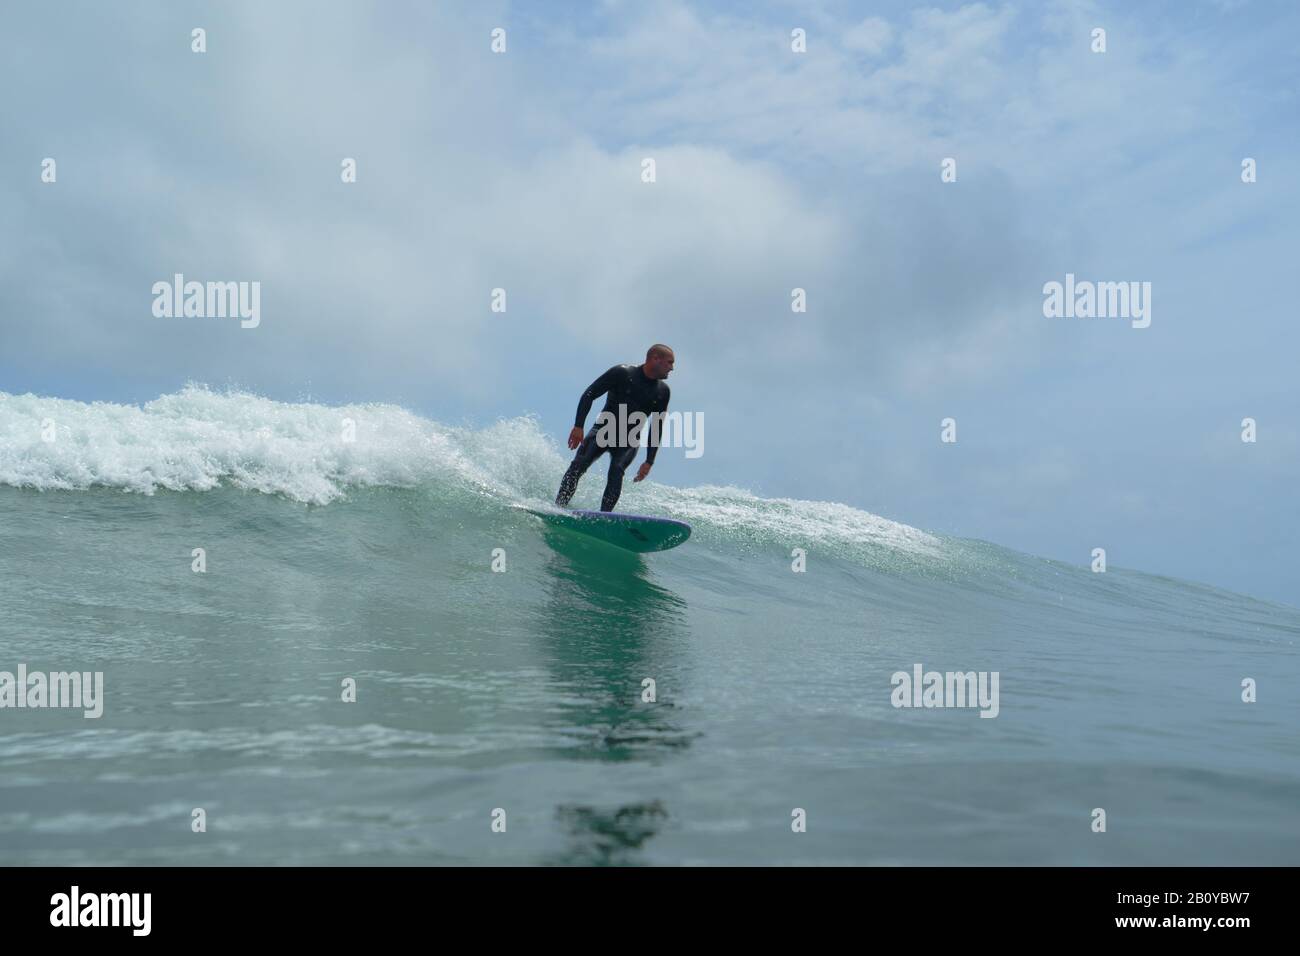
{"x": 518, "y": 695}
{"x": 522, "y": 690}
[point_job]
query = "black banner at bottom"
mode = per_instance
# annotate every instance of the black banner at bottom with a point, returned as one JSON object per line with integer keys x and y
{"x": 337, "y": 906}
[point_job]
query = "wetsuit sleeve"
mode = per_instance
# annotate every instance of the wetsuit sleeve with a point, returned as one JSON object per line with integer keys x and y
{"x": 593, "y": 392}
{"x": 652, "y": 443}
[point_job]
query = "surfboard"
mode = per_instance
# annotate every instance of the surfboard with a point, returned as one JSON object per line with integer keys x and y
{"x": 640, "y": 533}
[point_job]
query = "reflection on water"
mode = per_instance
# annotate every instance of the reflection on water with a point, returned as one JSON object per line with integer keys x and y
{"x": 609, "y": 838}
{"x": 596, "y": 589}
{"x": 606, "y": 626}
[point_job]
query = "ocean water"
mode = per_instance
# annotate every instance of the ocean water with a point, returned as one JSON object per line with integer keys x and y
{"x": 517, "y": 695}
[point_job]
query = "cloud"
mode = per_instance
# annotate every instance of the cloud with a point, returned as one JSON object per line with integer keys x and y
{"x": 872, "y": 36}
{"x": 776, "y": 170}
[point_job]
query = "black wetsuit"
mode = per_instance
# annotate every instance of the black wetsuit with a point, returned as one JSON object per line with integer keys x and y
{"x": 631, "y": 388}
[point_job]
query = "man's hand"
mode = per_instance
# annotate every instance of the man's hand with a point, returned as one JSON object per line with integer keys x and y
{"x": 575, "y": 437}
{"x": 642, "y": 471}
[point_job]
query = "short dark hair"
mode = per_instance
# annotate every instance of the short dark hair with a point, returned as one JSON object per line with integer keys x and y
{"x": 657, "y": 349}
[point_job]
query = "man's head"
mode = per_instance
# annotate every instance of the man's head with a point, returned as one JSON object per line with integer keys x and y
{"x": 658, "y": 362}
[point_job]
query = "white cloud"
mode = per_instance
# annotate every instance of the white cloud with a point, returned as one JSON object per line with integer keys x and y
{"x": 872, "y": 36}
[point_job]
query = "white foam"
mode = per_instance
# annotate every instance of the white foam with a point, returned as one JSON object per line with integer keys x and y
{"x": 198, "y": 439}
{"x": 798, "y": 523}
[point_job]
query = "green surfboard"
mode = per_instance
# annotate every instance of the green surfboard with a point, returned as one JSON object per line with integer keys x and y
{"x": 638, "y": 533}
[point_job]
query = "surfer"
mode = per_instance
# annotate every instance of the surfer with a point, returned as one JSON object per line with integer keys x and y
{"x": 631, "y": 389}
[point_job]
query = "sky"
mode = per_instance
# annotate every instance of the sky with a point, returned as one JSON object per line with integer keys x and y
{"x": 775, "y": 170}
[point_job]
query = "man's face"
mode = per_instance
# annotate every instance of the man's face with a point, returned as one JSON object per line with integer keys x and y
{"x": 661, "y": 365}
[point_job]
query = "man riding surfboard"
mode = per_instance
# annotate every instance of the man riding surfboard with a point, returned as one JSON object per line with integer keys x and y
{"x": 637, "y": 393}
